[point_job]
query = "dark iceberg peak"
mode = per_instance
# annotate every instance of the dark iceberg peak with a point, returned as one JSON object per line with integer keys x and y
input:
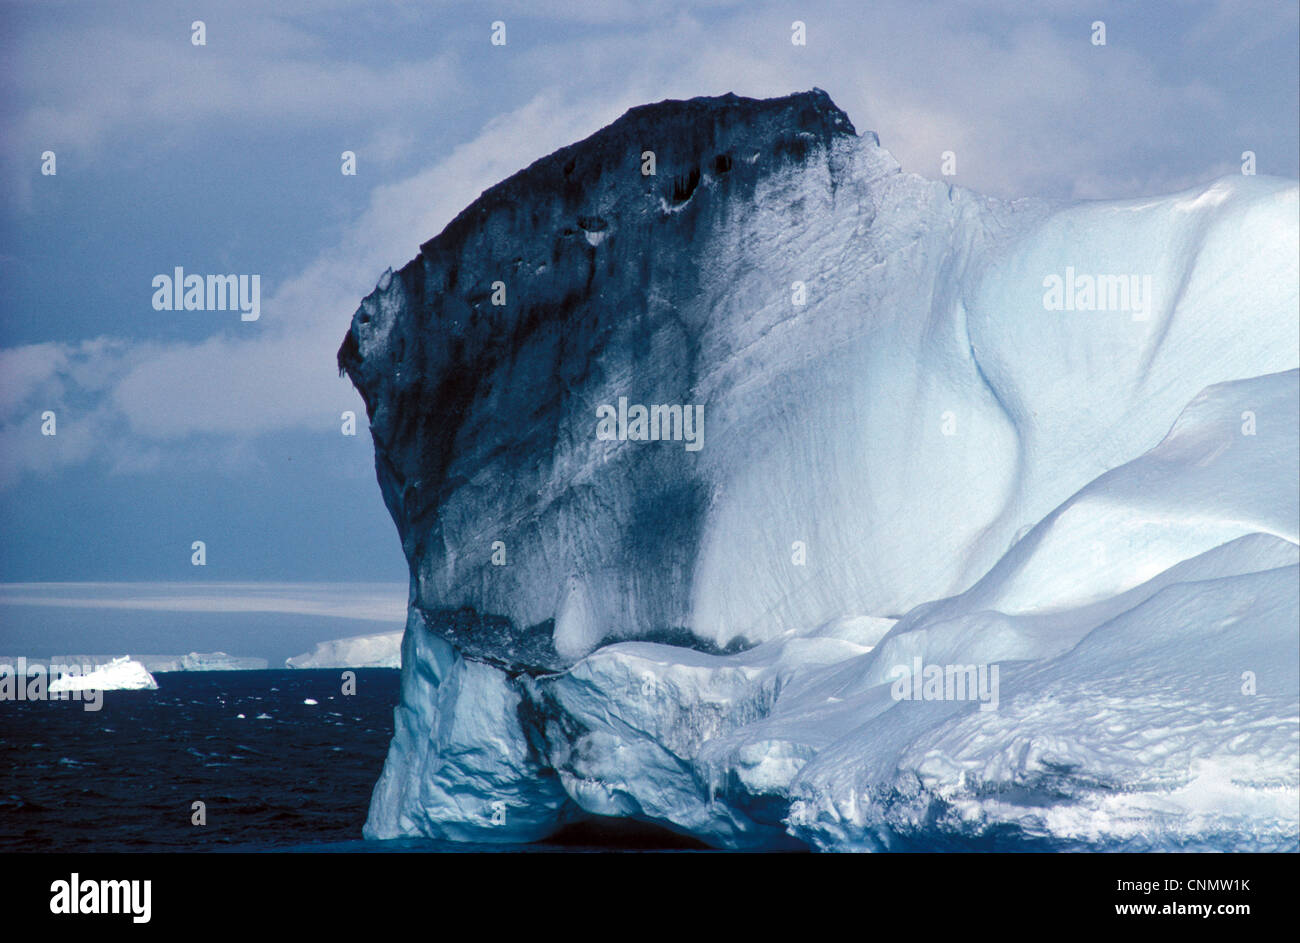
{"x": 578, "y": 281}
{"x": 812, "y": 112}
{"x": 689, "y": 138}
{"x": 807, "y": 110}
{"x": 720, "y": 139}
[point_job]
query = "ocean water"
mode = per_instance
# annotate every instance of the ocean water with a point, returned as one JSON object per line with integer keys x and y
{"x": 287, "y": 776}
{"x": 124, "y": 778}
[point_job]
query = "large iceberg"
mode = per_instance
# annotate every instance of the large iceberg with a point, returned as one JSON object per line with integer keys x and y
{"x": 985, "y": 534}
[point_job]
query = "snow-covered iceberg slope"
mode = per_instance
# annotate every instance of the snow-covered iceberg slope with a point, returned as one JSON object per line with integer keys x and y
{"x": 990, "y": 536}
{"x": 383, "y": 650}
{"x": 120, "y": 674}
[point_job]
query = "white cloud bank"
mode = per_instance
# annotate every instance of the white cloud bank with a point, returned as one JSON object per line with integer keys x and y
{"x": 370, "y": 602}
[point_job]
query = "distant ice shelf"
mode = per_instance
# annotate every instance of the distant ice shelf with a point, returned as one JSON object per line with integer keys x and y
{"x": 210, "y": 661}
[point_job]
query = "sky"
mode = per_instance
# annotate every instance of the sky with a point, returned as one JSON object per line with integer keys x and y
{"x": 180, "y": 426}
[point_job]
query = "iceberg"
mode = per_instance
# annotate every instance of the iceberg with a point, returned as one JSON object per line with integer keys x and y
{"x": 991, "y": 541}
{"x": 383, "y": 650}
{"x": 120, "y": 674}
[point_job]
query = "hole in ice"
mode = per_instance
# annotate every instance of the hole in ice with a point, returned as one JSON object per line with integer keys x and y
{"x": 683, "y": 187}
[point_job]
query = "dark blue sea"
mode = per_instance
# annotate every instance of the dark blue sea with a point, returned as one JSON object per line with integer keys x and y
{"x": 287, "y": 776}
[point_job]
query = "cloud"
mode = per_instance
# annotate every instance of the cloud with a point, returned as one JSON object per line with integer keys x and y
{"x": 105, "y": 82}
{"x": 69, "y": 380}
{"x": 1028, "y": 108}
{"x": 1028, "y": 103}
{"x": 123, "y": 400}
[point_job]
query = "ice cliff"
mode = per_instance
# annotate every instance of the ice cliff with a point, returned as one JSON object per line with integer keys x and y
{"x": 1047, "y": 449}
{"x": 383, "y": 650}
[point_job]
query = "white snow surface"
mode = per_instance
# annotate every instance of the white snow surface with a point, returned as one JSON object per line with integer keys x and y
{"x": 383, "y": 650}
{"x": 120, "y": 674}
{"x": 1102, "y": 507}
